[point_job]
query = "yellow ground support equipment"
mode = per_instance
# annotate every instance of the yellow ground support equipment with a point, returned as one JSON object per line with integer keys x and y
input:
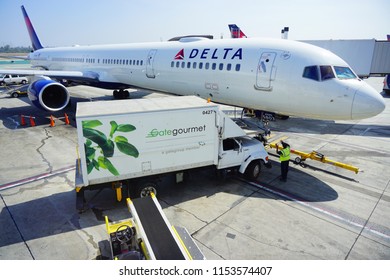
{"x": 148, "y": 235}
{"x": 314, "y": 155}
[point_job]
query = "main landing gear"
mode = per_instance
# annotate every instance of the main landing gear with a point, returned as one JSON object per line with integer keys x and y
{"x": 121, "y": 94}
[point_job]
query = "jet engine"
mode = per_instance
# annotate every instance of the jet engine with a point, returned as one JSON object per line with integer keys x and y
{"x": 48, "y": 95}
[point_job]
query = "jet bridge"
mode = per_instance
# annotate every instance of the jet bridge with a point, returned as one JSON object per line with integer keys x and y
{"x": 367, "y": 57}
{"x": 148, "y": 235}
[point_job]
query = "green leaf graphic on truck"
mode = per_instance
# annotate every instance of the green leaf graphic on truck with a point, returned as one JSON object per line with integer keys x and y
{"x": 99, "y": 147}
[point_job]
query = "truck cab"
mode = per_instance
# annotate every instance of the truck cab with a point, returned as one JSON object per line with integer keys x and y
{"x": 244, "y": 153}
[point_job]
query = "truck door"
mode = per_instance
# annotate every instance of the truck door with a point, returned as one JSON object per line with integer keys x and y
{"x": 150, "y": 64}
{"x": 266, "y": 71}
{"x": 230, "y": 153}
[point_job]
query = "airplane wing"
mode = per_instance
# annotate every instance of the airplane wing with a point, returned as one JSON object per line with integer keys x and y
{"x": 14, "y": 57}
{"x": 69, "y": 75}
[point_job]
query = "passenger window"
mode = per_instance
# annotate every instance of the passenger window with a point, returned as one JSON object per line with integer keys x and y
{"x": 177, "y": 64}
{"x": 188, "y": 64}
{"x": 194, "y": 65}
{"x": 229, "y": 66}
{"x": 311, "y": 72}
{"x": 200, "y": 65}
{"x": 172, "y": 63}
{"x": 221, "y": 66}
{"x": 238, "y": 67}
{"x": 214, "y": 66}
{"x": 326, "y": 73}
{"x": 207, "y": 65}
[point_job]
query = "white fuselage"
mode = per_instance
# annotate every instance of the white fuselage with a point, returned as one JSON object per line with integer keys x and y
{"x": 263, "y": 74}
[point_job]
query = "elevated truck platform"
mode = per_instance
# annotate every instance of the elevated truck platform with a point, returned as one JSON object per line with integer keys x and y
{"x": 148, "y": 235}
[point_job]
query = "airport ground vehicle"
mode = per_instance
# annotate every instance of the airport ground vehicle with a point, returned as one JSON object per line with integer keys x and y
{"x": 18, "y": 91}
{"x": 386, "y": 84}
{"x": 9, "y": 79}
{"x": 148, "y": 235}
{"x": 133, "y": 142}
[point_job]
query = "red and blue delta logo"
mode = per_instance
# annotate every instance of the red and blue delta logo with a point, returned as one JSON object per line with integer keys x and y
{"x": 225, "y": 53}
{"x": 180, "y": 55}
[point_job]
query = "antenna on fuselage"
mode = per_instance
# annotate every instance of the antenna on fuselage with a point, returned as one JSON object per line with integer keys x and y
{"x": 285, "y": 32}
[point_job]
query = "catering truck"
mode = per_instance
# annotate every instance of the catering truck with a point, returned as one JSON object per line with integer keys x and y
{"x": 135, "y": 142}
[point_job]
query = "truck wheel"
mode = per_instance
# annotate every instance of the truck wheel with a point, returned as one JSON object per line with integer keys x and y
{"x": 253, "y": 170}
{"x": 15, "y": 94}
{"x": 146, "y": 189}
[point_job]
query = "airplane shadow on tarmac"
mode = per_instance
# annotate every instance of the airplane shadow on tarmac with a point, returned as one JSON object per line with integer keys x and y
{"x": 323, "y": 127}
{"x": 57, "y": 213}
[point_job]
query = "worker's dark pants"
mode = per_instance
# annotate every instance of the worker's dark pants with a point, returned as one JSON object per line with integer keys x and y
{"x": 284, "y": 169}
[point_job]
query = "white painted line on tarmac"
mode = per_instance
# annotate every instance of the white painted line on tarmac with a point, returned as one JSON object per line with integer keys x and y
{"x": 36, "y": 178}
{"x": 321, "y": 210}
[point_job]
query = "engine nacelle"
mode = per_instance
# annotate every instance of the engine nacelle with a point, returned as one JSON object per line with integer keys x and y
{"x": 48, "y": 95}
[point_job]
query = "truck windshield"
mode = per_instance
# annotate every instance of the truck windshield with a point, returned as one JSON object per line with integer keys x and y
{"x": 344, "y": 72}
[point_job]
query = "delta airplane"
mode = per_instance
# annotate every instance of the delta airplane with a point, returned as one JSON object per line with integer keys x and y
{"x": 236, "y": 32}
{"x": 281, "y": 76}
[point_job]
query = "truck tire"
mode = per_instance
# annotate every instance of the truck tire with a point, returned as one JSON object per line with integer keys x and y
{"x": 146, "y": 189}
{"x": 253, "y": 170}
{"x": 15, "y": 94}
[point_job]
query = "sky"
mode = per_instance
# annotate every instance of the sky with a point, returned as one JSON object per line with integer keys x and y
{"x": 87, "y": 22}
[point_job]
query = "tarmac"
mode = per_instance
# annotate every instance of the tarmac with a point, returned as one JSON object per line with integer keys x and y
{"x": 322, "y": 212}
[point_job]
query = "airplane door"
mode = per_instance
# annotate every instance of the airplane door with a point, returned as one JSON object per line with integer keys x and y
{"x": 266, "y": 71}
{"x": 149, "y": 64}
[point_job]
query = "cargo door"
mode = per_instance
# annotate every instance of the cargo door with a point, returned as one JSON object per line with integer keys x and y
{"x": 266, "y": 71}
{"x": 150, "y": 64}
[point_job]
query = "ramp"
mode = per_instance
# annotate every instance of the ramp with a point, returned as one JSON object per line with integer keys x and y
{"x": 157, "y": 230}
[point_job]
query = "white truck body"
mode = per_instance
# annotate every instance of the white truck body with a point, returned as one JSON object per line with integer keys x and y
{"x": 126, "y": 139}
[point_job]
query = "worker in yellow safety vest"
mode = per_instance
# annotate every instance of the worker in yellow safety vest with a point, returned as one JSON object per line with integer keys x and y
{"x": 284, "y": 156}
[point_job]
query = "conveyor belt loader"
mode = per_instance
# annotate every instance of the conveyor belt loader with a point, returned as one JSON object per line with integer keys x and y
{"x": 148, "y": 235}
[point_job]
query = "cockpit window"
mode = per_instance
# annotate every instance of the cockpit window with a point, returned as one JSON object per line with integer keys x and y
{"x": 326, "y": 72}
{"x": 344, "y": 72}
{"x": 311, "y": 72}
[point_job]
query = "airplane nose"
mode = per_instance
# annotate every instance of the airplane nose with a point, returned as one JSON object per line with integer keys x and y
{"x": 367, "y": 103}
